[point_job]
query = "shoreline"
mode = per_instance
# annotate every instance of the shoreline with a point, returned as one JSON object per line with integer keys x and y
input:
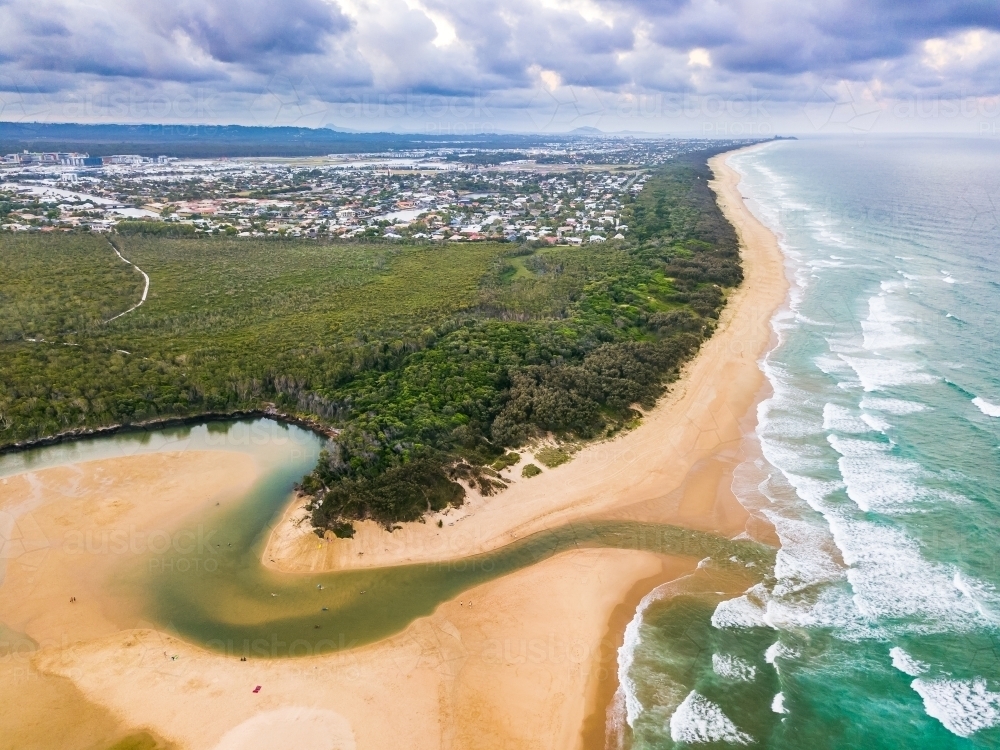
{"x": 85, "y": 433}
{"x": 753, "y": 235}
{"x": 601, "y": 693}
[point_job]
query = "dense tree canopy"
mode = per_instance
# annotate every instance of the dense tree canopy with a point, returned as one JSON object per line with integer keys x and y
{"x": 430, "y": 360}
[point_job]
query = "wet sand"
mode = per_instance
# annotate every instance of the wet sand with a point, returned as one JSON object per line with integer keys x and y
{"x": 510, "y": 664}
{"x": 63, "y": 530}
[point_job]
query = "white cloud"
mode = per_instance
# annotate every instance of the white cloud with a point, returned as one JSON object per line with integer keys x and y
{"x": 963, "y": 49}
{"x": 699, "y": 57}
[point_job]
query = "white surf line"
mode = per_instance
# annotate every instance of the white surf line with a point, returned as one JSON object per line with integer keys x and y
{"x": 144, "y": 291}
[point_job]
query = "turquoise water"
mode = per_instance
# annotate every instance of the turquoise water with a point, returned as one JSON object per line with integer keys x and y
{"x": 879, "y": 467}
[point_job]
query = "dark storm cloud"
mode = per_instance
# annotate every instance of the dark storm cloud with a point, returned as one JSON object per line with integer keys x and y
{"x": 241, "y": 31}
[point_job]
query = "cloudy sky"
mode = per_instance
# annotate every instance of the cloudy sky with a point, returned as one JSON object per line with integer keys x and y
{"x": 713, "y": 67}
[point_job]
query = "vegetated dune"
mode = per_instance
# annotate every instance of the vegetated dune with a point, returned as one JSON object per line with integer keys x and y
{"x": 665, "y": 471}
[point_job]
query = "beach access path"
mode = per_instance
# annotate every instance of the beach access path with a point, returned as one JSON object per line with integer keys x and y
{"x": 145, "y": 290}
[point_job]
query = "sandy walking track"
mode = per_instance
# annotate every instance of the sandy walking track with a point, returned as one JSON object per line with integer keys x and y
{"x": 145, "y": 289}
{"x": 526, "y": 660}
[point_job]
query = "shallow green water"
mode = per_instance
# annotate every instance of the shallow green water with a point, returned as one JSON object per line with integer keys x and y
{"x": 204, "y": 581}
{"x": 226, "y": 600}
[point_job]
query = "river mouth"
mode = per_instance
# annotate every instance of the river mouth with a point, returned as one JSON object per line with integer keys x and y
{"x": 241, "y": 608}
{"x": 203, "y": 580}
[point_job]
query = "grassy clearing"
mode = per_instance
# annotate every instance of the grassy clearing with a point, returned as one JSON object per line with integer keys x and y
{"x": 515, "y": 270}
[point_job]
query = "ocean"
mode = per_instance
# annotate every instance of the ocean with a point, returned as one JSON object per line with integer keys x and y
{"x": 877, "y": 460}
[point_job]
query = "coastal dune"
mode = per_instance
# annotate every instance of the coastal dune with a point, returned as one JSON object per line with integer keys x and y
{"x": 523, "y": 661}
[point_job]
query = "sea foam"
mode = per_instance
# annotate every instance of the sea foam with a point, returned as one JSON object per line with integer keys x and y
{"x": 804, "y": 557}
{"x": 881, "y": 331}
{"x": 626, "y": 694}
{"x": 906, "y": 663}
{"x": 733, "y": 668}
{"x": 745, "y": 611}
{"x": 990, "y": 410}
{"x": 778, "y": 704}
{"x": 963, "y": 706}
{"x": 893, "y": 581}
{"x": 842, "y": 419}
{"x": 896, "y": 406}
{"x": 876, "y": 480}
{"x": 698, "y": 720}
{"x": 877, "y": 374}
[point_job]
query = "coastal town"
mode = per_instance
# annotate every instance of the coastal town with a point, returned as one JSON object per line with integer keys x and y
{"x": 567, "y": 193}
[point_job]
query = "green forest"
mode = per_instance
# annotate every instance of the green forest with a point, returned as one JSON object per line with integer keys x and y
{"x": 431, "y": 360}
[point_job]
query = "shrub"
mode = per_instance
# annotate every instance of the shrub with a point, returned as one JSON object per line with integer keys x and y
{"x": 506, "y": 461}
{"x": 343, "y": 530}
{"x": 552, "y": 457}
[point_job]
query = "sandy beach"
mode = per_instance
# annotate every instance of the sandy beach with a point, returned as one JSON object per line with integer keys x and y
{"x": 523, "y": 661}
{"x": 509, "y": 664}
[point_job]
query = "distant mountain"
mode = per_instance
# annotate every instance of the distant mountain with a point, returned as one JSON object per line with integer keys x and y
{"x": 209, "y": 141}
{"x": 338, "y": 129}
{"x": 592, "y": 131}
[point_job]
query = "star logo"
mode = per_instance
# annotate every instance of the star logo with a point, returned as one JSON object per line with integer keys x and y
{"x": 22, "y": 539}
{"x": 285, "y": 101}
{"x": 21, "y": 100}
{"x": 837, "y": 104}
{"x": 564, "y": 108}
